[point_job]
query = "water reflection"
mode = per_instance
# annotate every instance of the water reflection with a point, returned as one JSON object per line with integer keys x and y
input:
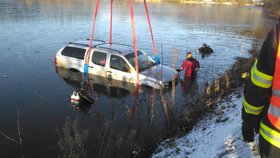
{"x": 98, "y": 85}
{"x": 114, "y": 89}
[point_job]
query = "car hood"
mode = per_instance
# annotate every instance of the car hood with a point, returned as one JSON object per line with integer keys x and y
{"x": 159, "y": 72}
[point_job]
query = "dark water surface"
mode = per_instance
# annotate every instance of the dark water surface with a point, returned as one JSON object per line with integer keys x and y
{"x": 31, "y": 33}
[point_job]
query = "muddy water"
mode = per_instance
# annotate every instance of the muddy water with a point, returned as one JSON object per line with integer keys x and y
{"x": 118, "y": 124}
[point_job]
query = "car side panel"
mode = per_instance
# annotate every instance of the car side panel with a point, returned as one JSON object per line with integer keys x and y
{"x": 96, "y": 69}
{"x": 118, "y": 74}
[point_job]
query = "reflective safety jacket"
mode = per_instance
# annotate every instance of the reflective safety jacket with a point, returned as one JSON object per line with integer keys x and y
{"x": 261, "y": 102}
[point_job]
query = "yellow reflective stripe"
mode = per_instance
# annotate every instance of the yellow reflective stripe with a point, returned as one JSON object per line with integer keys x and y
{"x": 260, "y": 79}
{"x": 263, "y": 75}
{"x": 270, "y": 135}
{"x": 257, "y": 81}
{"x": 250, "y": 109}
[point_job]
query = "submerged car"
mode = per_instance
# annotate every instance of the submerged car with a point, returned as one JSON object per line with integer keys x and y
{"x": 115, "y": 62}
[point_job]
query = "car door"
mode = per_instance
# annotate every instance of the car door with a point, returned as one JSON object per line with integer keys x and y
{"x": 97, "y": 65}
{"x": 119, "y": 69}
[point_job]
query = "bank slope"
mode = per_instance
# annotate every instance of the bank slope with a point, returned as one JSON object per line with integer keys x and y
{"x": 217, "y": 135}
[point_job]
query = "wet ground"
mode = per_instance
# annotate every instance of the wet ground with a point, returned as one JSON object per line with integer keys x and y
{"x": 36, "y": 94}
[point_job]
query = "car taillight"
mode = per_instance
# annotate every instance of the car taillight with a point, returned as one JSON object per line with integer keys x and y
{"x": 55, "y": 61}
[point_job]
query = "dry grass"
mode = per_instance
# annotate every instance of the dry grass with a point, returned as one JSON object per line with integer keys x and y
{"x": 110, "y": 142}
{"x": 71, "y": 140}
{"x": 216, "y": 87}
{"x": 227, "y": 81}
{"x": 175, "y": 55}
{"x": 208, "y": 88}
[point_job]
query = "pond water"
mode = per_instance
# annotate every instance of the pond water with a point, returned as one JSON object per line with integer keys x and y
{"x": 118, "y": 124}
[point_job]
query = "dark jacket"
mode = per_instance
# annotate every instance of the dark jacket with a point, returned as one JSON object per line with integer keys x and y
{"x": 257, "y": 93}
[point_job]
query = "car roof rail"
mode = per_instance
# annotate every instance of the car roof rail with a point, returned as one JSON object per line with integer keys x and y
{"x": 82, "y": 44}
{"x": 96, "y": 40}
{"x": 87, "y": 45}
{"x": 121, "y": 44}
{"x": 110, "y": 49}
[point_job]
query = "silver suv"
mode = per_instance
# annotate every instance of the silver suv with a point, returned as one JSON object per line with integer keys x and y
{"x": 115, "y": 62}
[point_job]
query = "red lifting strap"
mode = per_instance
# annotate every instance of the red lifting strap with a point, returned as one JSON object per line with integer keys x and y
{"x": 92, "y": 31}
{"x": 276, "y": 78}
{"x": 111, "y": 15}
{"x": 134, "y": 40}
{"x": 150, "y": 26}
{"x": 135, "y": 100}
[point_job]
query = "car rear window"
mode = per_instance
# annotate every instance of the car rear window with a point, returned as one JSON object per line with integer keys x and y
{"x": 78, "y": 53}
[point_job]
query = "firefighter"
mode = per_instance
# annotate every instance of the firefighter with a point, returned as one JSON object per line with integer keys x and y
{"x": 261, "y": 101}
{"x": 191, "y": 66}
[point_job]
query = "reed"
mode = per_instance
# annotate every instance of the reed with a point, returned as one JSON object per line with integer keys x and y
{"x": 19, "y": 139}
{"x": 71, "y": 140}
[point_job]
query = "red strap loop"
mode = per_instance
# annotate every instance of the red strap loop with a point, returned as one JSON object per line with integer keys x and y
{"x": 92, "y": 31}
{"x": 134, "y": 40}
{"x": 150, "y": 26}
{"x": 111, "y": 15}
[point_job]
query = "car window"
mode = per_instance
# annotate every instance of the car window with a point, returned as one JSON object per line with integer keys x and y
{"x": 119, "y": 63}
{"x": 144, "y": 61}
{"x": 99, "y": 58}
{"x": 78, "y": 53}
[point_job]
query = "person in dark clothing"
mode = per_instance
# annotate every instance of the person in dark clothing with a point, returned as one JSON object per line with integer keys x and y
{"x": 261, "y": 101}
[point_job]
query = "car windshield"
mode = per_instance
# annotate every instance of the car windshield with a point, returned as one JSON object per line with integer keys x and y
{"x": 144, "y": 61}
